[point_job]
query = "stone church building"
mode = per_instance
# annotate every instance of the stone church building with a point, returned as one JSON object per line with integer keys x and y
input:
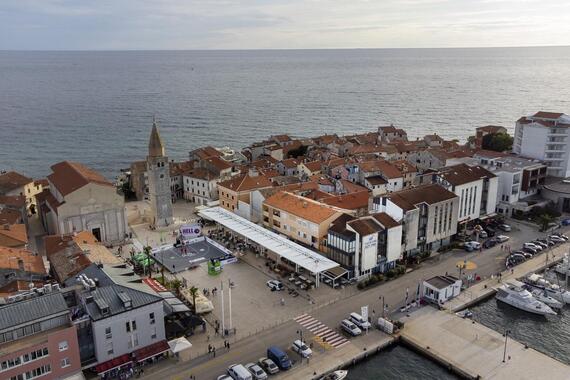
{"x": 158, "y": 172}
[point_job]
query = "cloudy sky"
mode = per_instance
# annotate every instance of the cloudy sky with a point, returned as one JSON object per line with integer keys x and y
{"x": 261, "y": 24}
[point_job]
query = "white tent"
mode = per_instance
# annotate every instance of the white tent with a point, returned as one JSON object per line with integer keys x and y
{"x": 179, "y": 344}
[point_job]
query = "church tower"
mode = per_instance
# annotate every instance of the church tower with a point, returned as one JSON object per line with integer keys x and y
{"x": 158, "y": 172}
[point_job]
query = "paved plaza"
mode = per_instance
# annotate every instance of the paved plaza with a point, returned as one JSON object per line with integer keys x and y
{"x": 189, "y": 255}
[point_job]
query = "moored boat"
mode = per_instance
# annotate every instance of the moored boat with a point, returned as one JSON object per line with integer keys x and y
{"x": 522, "y": 299}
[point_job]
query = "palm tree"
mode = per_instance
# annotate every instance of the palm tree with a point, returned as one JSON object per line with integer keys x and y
{"x": 176, "y": 284}
{"x": 193, "y": 292}
{"x": 146, "y": 251}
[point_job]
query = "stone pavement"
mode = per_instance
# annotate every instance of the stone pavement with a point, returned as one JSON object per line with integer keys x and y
{"x": 476, "y": 350}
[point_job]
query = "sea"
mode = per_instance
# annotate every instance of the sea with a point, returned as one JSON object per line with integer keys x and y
{"x": 96, "y": 107}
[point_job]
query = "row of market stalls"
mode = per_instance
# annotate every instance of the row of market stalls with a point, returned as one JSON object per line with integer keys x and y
{"x": 293, "y": 254}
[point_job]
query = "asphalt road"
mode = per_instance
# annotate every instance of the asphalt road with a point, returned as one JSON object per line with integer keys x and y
{"x": 489, "y": 262}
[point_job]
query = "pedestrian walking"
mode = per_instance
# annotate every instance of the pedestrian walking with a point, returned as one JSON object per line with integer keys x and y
{"x": 214, "y": 351}
{"x": 209, "y": 348}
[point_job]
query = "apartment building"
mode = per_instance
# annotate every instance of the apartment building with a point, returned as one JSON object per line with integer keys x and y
{"x": 364, "y": 245}
{"x": 37, "y": 337}
{"x": 475, "y": 186}
{"x": 301, "y": 219}
{"x": 545, "y": 136}
{"x": 428, "y": 214}
{"x": 239, "y": 188}
{"x": 519, "y": 179}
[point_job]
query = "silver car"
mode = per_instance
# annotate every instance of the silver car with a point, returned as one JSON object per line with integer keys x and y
{"x": 256, "y": 371}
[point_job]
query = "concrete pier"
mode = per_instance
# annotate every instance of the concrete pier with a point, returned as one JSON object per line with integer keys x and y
{"x": 475, "y": 351}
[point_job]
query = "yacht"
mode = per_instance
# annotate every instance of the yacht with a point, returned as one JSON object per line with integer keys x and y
{"x": 522, "y": 299}
{"x": 546, "y": 299}
{"x": 336, "y": 375}
{"x": 563, "y": 267}
{"x": 539, "y": 282}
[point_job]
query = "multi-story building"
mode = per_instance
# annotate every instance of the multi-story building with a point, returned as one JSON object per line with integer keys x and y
{"x": 365, "y": 245}
{"x": 428, "y": 214}
{"x": 475, "y": 186}
{"x": 81, "y": 199}
{"x": 16, "y": 184}
{"x": 302, "y": 219}
{"x": 519, "y": 179}
{"x": 20, "y": 265}
{"x": 37, "y": 337}
{"x": 237, "y": 189}
{"x": 545, "y": 136}
{"x": 201, "y": 186}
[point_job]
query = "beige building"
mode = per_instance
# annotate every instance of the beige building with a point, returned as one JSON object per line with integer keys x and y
{"x": 238, "y": 189}
{"x": 302, "y": 219}
{"x": 80, "y": 199}
{"x": 16, "y": 184}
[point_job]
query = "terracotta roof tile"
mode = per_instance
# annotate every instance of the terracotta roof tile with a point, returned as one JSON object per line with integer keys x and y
{"x": 11, "y": 181}
{"x": 430, "y": 194}
{"x": 16, "y": 201}
{"x": 13, "y": 235}
{"x": 548, "y": 115}
{"x": 463, "y": 173}
{"x": 301, "y": 207}
{"x": 386, "y": 220}
{"x": 245, "y": 182}
{"x": 8, "y": 216}
{"x": 31, "y": 263}
{"x": 70, "y": 176}
{"x": 353, "y": 201}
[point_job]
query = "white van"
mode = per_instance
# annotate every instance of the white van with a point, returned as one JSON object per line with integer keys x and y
{"x": 350, "y": 327}
{"x": 359, "y": 321}
{"x": 239, "y": 372}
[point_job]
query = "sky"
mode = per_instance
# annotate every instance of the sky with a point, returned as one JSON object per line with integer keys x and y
{"x": 280, "y": 24}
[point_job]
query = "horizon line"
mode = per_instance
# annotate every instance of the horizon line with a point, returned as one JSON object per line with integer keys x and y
{"x": 289, "y": 49}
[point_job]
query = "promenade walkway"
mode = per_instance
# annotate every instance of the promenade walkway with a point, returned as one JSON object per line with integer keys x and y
{"x": 476, "y": 350}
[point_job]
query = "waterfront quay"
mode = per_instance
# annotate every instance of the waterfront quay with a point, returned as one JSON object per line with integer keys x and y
{"x": 474, "y": 351}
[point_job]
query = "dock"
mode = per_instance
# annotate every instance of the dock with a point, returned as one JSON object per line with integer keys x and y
{"x": 474, "y": 351}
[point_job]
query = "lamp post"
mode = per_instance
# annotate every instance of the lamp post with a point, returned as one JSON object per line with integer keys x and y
{"x": 507, "y": 332}
{"x": 300, "y": 333}
{"x": 383, "y": 307}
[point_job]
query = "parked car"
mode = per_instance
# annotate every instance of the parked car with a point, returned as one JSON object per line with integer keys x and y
{"x": 557, "y": 239}
{"x": 504, "y": 227}
{"x": 279, "y": 357}
{"x": 239, "y": 372}
{"x": 301, "y": 348}
{"x": 560, "y": 235}
{"x": 350, "y": 327}
{"x": 533, "y": 246}
{"x": 540, "y": 243}
{"x": 482, "y": 234}
{"x": 489, "y": 243}
{"x": 223, "y": 377}
{"x": 472, "y": 245}
{"x": 274, "y": 285}
{"x": 530, "y": 250}
{"x": 357, "y": 319}
{"x": 502, "y": 238}
{"x": 490, "y": 231}
{"x": 550, "y": 243}
{"x": 257, "y": 372}
{"x": 565, "y": 222}
{"x": 268, "y": 365}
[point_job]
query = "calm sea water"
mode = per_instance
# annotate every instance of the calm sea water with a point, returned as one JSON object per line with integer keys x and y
{"x": 550, "y": 335}
{"x": 96, "y": 107}
{"x": 398, "y": 363}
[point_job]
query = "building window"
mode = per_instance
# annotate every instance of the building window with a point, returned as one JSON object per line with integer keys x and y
{"x": 65, "y": 363}
{"x": 153, "y": 336}
{"x": 63, "y": 345}
{"x": 152, "y": 320}
{"x": 110, "y": 350}
{"x": 108, "y": 333}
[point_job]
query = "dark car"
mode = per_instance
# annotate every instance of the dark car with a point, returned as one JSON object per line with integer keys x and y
{"x": 532, "y": 251}
{"x": 489, "y": 243}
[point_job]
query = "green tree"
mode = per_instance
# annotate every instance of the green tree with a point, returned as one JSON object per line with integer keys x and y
{"x": 499, "y": 142}
{"x": 193, "y": 292}
{"x": 176, "y": 284}
{"x": 147, "y": 251}
{"x": 544, "y": 221}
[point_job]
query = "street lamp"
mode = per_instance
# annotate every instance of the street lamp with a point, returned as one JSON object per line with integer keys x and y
{"x": 300, "y": 333}
{"x": 507, "y": 332}
{"x": 383, "y": 307}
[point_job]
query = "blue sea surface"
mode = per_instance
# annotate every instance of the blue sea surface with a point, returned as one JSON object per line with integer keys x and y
{"x": 97, "y": 107}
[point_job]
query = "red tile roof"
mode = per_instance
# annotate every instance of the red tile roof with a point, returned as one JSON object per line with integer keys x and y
{"x": 301, "y": 207}
{"x": 68, "y": 177}
{"x": 11, "y": 181}
{"x": 547, "y": 115}
{"x": 352, "y": 201}
{"x": 245, "y": 182}
{"x": 12, "y": 258}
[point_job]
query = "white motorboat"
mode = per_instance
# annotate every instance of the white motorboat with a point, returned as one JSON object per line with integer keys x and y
{"x": 522, "y": 299}
{"x": 543, "y": 297}
{"x": 539, "y": 282}
{"x": 336, "y": 375}
{"x": 563, "y": 267}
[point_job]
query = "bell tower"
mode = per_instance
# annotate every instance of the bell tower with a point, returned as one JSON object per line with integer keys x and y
{"x": 158, "y": 171}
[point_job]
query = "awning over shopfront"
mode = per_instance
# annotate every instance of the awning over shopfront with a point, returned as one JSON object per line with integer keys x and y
{"x": 109, "y": 365}
{"x": 151, "y": 350}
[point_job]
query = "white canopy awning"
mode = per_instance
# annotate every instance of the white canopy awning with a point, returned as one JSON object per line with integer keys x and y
{"x": 280, "y": 245}
{"x": 179, "y": 344}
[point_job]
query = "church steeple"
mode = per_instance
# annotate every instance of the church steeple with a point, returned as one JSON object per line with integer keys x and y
{"x": 155, "y": 146}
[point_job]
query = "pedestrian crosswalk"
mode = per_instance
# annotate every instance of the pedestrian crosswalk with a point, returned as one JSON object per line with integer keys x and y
{"x": 319, "y": 329}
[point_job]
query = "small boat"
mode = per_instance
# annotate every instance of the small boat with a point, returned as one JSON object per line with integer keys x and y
{"x": 539, "y": 282}
{"x": 336, "y": 375}
{"x": 522, "y": 299}
{"x": 465, "y": 313}
{"x": 546, "y": 299}
{"x": 564, "y": 267}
